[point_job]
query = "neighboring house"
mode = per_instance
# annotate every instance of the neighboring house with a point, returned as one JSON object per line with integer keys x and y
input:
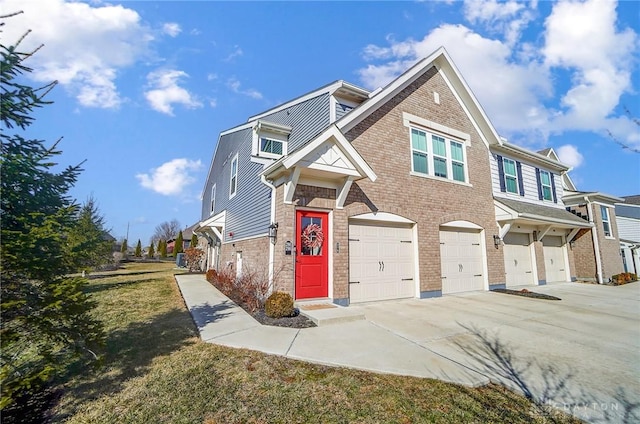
{"x": 628, "y": 217}
{"x": 407, "y": 191}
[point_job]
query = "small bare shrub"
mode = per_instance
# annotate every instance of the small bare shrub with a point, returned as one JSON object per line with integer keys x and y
{"x": 211, "y": 275}
{"x": 193, "y": 257}
{"x": 278, "y": 305}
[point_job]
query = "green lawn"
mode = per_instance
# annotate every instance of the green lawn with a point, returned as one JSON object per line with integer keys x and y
{"x": 156, "y": 370}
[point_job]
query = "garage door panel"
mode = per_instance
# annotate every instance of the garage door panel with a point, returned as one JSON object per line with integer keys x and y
{"x": 461, "y": 261}
{"x": 517, "y": 260}
{"x": 381, "y": 261}
{"x": 553, "y": 250}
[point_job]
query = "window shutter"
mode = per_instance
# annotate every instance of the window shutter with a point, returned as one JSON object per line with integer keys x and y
{"x": 553, "y": 188}
{"x": 540, "y": 197}
{"x": 503, "y": 186}
{"x": 520, "y": 182}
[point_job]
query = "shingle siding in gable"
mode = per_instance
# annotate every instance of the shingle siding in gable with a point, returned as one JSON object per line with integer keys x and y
{"x": 307, "y": 119}
{"x": 529, "y": 184}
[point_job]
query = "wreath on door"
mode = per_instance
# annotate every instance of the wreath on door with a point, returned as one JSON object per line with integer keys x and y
{"x": 312, "y": 236}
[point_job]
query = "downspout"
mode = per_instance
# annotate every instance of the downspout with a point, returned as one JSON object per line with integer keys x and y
{"x": 596, "y": 246}
{"x": 272, "y": 246}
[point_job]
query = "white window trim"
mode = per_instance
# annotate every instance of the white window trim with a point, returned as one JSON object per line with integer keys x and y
{"x": 231, "y": 176}
{"x": 543, "y": 185}
{"x": 212, "y": 203}
{"x": 450, "y": 135}
{"x": 431, "y": 156}
{"x": 504, "y": 171}
{"x": 608, "y": 221}
{"x": 270, "y": 155}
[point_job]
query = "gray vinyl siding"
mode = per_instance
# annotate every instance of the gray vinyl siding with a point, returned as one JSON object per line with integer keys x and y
{"x": 248, "y": 213}
{"x": 307, "y": 119}
{"x": 530, "y": 183}
{"x": 342, "y": 109}
{"x": 628, "y": 228}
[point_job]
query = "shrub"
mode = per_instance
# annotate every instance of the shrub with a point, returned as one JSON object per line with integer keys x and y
{"x": 623, "y": 278}
{"x": 211, "y": 275}
{"x": 194, "y": 258}
{"x": 278, "y": 305}
{"x": 251, "y": 289}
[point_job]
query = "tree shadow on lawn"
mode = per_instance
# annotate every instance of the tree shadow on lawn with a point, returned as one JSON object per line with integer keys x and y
{"x": 99, "y": 275}
{"x": 99, "y": 287}
{"x": 129, "y": 353}
{"x": 547, "y": 385}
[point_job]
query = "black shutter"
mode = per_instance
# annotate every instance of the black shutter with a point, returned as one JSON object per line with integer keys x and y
{"x": 503, "y": 186}
{"x": 540, "y": 197}
{"x": 553, "y": 188}
{"x": 520, "y": 182}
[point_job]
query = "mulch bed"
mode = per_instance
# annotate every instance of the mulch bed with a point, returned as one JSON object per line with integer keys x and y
{"x": 297, "y": 320}
{"x": 527, "y": 293}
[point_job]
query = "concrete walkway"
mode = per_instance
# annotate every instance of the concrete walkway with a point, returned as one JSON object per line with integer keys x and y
{"x": 580, "y": 354}
{"x": 358, "y": 344}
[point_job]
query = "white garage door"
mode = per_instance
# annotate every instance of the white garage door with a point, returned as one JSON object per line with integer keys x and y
{"x": 554, "y": 259}
{"x": 461, "y": 256}
{"x": 381, "y": 262}
{"x": 517, "y": 260}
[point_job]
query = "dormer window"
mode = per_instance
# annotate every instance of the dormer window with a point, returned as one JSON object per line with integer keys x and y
{"x": 545, "y": 184}
{"x": 269, "y": 142}
{"x": 271, "y": 147}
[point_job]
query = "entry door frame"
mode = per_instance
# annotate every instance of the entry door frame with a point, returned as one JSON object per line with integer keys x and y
{"x": 328, "y": 242}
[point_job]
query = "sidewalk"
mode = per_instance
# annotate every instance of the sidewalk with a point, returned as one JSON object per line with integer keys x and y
{"x": 349, "y": 342}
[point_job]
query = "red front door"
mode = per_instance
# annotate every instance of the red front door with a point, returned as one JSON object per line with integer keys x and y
{"x": 312, "y": 254}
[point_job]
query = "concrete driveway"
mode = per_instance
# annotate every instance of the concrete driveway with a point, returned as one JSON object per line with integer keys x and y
{"x": 580, "y": 354}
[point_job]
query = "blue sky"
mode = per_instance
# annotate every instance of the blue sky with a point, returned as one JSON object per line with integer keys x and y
{"x": 146, "y": 87}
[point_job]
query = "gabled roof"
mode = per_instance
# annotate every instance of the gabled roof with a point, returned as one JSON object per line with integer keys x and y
{"x": 443, "y": 63}
{"x": 532, "y": 156}
{"x": 567, "y": 182}
{"x": 340, "y": 86}
{"x": 632, "y": 200}
{"x": 294, "y": 158}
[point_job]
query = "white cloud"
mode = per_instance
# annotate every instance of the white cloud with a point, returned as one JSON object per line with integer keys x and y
{"x": 172, "y": 29}
{"x": 164, "y": 91}
{"x": 170, "y": 178}
{"x": 236, "y": 53}
{"x": 570, "y": 155}
{"x": 235, "y": 85}
{"x": 522, "y": 85}
{"x": 84, "y": 46}
{"x": 582, "y": 38}
{"x": 509, "y": 18}
{"x": 511, "y": 92}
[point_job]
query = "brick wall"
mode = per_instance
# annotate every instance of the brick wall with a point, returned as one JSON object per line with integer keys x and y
{"x": 383, "y": 141}
{"x": 542, "y": 270}
{"x": 255, "y": 255}
{"x": 609, "y": 246}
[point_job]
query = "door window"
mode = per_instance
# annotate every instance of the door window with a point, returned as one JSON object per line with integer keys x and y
{"x": 311, "y": 236}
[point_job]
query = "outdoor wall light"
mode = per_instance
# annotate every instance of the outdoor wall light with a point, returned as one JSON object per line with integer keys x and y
{"x": 273, "y": 232}
{"x": 496, "y": 241}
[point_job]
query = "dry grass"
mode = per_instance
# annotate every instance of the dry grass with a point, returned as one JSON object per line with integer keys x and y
{"x": 156, "y": 370}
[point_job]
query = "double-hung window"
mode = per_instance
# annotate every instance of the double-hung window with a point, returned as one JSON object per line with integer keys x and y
{"x": 213, "y": 198}
{"x": 510, "y": 175}
{"x": 437, "y": 156}
{"x": 545, "y": 185}
{"x": 233, "y": 181}
{"x": 606, "y": 224}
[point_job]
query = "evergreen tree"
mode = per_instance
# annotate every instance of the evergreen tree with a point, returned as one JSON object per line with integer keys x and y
{"x": 138, "y": 252}
{"x": 151, "y": 252}
{"x": 88, "y": 242}
{"x": 46, "y": 322}
{"x": 124, "y": 248}
{"x": 178, "y": 246}
{"x": 194, "y": 240}
{"x": 162, "y": 248}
